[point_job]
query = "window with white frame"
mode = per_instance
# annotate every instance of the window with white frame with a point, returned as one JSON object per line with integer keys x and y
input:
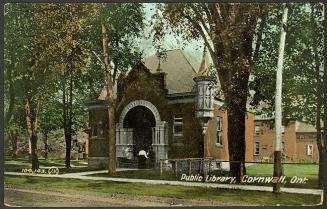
{"x": 178, "y": 129}
{"x": 257, "y": 130}
{"x": 309, "y": 149}
{"x": 219, "y": 130}
{"x": 256, "y": 148}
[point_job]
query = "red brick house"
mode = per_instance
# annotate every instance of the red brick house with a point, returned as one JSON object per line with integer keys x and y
{"x": 298, "y": 141}
{"x": 156, "y": 108}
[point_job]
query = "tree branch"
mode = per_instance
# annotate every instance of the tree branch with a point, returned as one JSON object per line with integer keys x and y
{"x": 199, "y": 16}
{"x": 208, "y": 14}
{"x": 216, "y": 15}
{"x": 98, "y": 58}
{"x": 37, "y": 110}
{"x": 201, "y": 32}
{"x": 262, "y": 25}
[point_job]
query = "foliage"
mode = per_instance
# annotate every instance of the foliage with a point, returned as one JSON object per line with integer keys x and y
{"x": 299, "y": 79}
{"x": 49, "y": 57}
{"x": 227, "y": 30}
{"x": 124, "y": 23}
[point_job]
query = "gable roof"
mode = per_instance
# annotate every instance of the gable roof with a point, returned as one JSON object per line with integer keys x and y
{"x": 302, "y": 127}
{"x": 180, "y": 72}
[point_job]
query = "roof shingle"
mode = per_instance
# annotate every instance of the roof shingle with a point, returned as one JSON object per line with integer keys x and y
{"x": 180, "y": 71}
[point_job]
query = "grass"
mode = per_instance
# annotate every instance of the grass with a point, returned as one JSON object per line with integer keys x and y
{"x": 308, "y": 171}
{"x": 140, "y": 174}
{"x": 290, "y": 170}
{"x": 182, "y": 192}
{"x": 16, "y": 165}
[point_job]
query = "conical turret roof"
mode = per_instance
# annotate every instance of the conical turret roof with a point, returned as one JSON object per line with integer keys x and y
{"x": 204, "y": 69}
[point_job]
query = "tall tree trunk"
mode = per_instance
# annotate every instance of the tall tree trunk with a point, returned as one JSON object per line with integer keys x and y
{"x": 319, "y": 142}
{"x": 65, "y": 123}
{"x": 319, "y": 101}
{"x": 68, "y": 138}
{"x": 236, "y": 112}
{"x": 111, "y": 108}
{"x": 233, "y": 30}
{"x": 31, "y": 123}
{"x": 9, "y": 113}
{"x": 46, "y": 144}
{"x": 68, "y": 120}
{"x": 13, "y": 138}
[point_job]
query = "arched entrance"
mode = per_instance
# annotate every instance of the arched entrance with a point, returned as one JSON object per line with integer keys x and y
{"x": 139, "y": 128}
{"x": 141, "y": 120}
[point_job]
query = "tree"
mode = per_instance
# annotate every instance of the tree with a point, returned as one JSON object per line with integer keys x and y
{"x": 303, "y": 74}
{"x": 115, "y": 26}
{"x": 15, "y": 128}
{"x": 316, "y": 20}
{"x": 49, "y": 118}
{"x": 63, "y": 51}
{"x": 22, "y": 67}
{"x": 227, "y": 31}
{"x": 58, "y": 53}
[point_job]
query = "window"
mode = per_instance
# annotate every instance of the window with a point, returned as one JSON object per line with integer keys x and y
{"x": 257, "y": 130}
{"x": 94, "y": 130}
{"x": 309, "y": 149}
{"x": 219, "y": 130}
{"x": 178, "y": 129}
{"x": 256, "y": 148}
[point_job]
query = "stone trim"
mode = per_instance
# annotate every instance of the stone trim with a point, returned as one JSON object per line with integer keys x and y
{"x": 182, "y": 100}
{"x": 136, "y": 103}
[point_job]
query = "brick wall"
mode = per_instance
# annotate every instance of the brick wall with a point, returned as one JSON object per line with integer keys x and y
{"x": 302, "y": 142}
{"x": 295, "y": 147}
{"x": 192, "y": 145}
{"x": 220, "y": 151}
{"x": 98, "y": 146}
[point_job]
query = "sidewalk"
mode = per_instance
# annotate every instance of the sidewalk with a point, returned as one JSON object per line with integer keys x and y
{"x": 83, "y": 175}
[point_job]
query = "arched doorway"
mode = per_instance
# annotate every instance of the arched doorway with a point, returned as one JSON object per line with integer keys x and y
{"x": 140, "y": 126}
{"x": 141, "y": 120}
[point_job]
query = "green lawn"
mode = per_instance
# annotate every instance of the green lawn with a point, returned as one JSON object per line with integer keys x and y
{"x": 183, "y": 192}
{"x": 16, "y": 165}
{"x": 308, "y": 171}
{"x": 289, "y": 170}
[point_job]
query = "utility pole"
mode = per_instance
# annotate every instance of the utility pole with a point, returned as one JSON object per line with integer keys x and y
{"x": 278, "y": 105}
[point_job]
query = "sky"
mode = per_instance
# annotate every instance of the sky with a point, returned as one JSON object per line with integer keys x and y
{"x": 193, "y": 50}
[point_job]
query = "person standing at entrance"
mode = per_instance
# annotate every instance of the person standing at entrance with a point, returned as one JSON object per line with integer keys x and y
{"x": 142, "y": 159}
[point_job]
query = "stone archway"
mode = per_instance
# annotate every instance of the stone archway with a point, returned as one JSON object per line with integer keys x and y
{"x": 143, "y": 103}
{"x": 124, "y": 135}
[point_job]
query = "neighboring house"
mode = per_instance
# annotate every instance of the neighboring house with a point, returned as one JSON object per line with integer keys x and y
{"x": 156, "y": 107}
{"x": 298, "y": 141}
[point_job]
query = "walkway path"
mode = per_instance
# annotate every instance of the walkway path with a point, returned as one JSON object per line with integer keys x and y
{"x": 83, "y": 175}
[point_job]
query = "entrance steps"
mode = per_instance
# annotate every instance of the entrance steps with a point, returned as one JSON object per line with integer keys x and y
{"x": 127, "y": 163}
